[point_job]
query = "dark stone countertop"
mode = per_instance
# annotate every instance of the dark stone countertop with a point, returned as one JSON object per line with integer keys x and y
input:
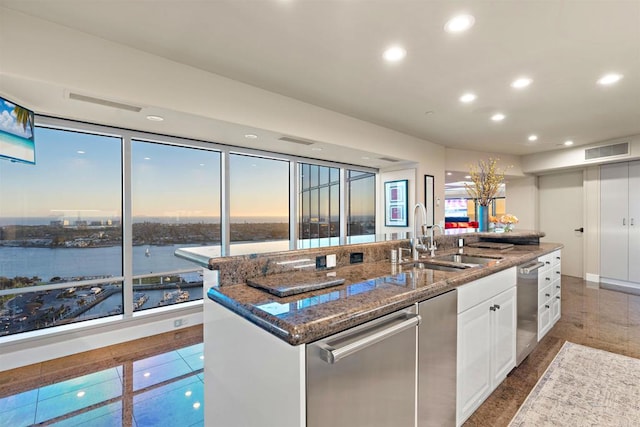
{"x": 370, "y": 290}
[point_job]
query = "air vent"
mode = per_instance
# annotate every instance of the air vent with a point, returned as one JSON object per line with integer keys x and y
{"x": 388, "y": 159}
{"x": 606, "y": 151}
{"x": 296, "y": 140}
{"x": 104, "y": 102}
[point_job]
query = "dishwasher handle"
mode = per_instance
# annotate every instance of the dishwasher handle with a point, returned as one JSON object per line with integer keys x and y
{"x": 528, "y": 269}
{"x": 332, "y": 355}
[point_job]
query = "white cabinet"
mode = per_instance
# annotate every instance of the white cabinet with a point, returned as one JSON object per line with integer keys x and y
{"x": 620, "y": 222}
{"x": 549, "y": 292}
{"x": 486, "y": 338}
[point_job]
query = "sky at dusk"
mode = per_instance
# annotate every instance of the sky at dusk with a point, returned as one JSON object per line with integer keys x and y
{"x": 79, "y": 175}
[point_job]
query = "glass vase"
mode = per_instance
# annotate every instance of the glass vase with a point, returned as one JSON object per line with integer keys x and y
{"x": 483, "y": 218}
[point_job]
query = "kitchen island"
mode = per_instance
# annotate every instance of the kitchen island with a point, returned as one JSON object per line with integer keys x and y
{"x": 256, "y": 344}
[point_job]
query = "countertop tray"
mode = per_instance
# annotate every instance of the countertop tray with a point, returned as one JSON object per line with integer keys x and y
{"x": 491, "y": 245}
{"x": 287, "y": 284}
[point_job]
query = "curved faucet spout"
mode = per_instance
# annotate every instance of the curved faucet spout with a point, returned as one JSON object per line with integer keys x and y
{"x": 417, "y": 239}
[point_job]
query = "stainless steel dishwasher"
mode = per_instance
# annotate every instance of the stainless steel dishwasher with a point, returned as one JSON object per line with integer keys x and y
{"x": 365, "y": 376}
{"x": 437, "y": 360}
{"x": 527, "y": 333}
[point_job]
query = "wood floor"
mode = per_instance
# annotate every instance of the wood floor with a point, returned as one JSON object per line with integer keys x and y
{"x": 591, "y": 316}
{"x": 599, "y": 318}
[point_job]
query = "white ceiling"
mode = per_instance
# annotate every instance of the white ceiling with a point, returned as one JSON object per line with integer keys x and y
{"x": 329, "y": 53}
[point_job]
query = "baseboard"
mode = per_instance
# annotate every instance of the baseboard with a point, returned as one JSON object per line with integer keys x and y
{"x": 590, "y": 277}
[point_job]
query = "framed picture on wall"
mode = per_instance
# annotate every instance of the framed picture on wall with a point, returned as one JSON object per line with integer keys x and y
{"x": 428, "y": 199}
{"x": 395, "y": 202}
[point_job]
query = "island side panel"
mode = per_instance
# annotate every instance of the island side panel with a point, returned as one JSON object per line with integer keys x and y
{"x": 252, "y": 378}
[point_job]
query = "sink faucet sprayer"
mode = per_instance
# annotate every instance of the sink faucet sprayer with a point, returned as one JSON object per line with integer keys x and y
{"x": 432, "y": 245}
{"x": 416, "y": 242}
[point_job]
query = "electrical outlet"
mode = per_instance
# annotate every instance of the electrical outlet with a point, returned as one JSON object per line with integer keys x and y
{"x": 321, "y": 261}
{"x": 331, "y": 261}
{"x": 179, "y": 322}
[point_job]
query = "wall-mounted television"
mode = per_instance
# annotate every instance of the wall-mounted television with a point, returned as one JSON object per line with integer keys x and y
{"x": 16, "y": 133}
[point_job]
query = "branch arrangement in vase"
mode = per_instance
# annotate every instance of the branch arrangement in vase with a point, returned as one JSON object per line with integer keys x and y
{"x": 486, "y": 179}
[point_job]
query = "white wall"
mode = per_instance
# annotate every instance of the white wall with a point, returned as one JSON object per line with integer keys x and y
{"x": 408, "y": 174}
{"x": 461, "y": 160}
{"x": 522, "y": 201}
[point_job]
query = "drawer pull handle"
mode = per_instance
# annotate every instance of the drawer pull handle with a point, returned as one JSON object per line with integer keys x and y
{"x": 557, "y": 272}
{"x": 492, "y": 308}
{"x": 547, "y": 295}
{"x": 547, "y": 278}
{"x": 547, "y": 262}
{"x": 497, "y": 306}
{"x": 557, "y": 286}
{"x": 557, "y": 296}
{"x": 557, "y": 257}
{"x": 546, "y": 306}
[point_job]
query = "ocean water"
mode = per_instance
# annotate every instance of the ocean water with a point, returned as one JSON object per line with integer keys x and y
{"x": 73, "y": 262}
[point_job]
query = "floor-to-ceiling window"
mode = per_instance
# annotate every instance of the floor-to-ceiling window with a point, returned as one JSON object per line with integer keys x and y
{"x": 319, "y": 205}
{"x": 361, "y": 206}
{"x": 61, "y": 232}
{"x": 175, "y": 203}
{"x": 259, "y": 204}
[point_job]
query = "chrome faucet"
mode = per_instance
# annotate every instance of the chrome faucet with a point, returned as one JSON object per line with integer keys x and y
{"x": 417, "y": 243}
{"x": 432, "y": 245}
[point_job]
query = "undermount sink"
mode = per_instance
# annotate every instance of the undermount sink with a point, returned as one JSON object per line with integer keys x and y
{"x": 430, "y": 266}
{"x": 467, "y": 259}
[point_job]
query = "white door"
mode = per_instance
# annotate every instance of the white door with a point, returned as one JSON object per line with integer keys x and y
{"x": 503, "y": 320}
{"x": 614, "y": 221}
{"x": 474, "y": 359}
{"x": 634, "y": 221}
{"x": 561, "y": 213}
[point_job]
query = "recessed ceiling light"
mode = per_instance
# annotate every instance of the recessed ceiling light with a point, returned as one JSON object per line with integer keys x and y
{"x": 521, "y": 82}
{"x": 449, "y": 174}
{"x": 155, "y": 118}
{"x": 533, "y": 137}
{"x": 568, "y": 142}
{"x": 251, "y": 136}
{"x": 147, "y": 158}
{"x": 316, "y": 149}
{"x": 196, "y": 405}
{"x": 80, "y": 152}
{"x": 188, "y": 393}
{"x": 459, "y": 23}
{"x": 468, "y": 97}
{"x": 609, "y": 79}
{"x": 394, "y": 54}
{"x": 80, "y": 394}
{"x": 365, "y": 157}
{"x": 201, "y": 164}
{"x": 146, "y": 374}
{"x": 467, "y": 176}
{"x": 498, "y": 117}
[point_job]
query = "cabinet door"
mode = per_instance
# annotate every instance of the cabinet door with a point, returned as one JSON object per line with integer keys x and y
{"x": 614, "y": 221}
{"x": 504, "y": 320}
{"x": 634, "y": 221}
{"x": 474, "y": 359}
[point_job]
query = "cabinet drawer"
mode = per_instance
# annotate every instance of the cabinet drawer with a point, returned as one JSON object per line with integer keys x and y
{"x": 556, "y": 287}
{"x": 480, "y": 290}
{"x": 547, "y": 260}
{"x": 544, "y": 320}
{"x": 545, "y": 277}
{"x": 544, "y": 295}
{"x": 556, "y": 257}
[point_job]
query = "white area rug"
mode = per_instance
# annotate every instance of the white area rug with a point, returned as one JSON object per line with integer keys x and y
{"x": 584, "y": 386}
